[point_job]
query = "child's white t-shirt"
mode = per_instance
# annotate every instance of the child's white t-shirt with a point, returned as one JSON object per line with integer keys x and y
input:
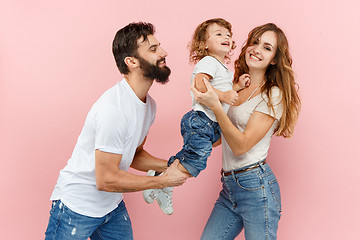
{"x": 221, "y": 79}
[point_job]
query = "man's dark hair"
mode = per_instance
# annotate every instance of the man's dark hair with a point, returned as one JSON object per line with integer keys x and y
{"x": 125, "y": 42}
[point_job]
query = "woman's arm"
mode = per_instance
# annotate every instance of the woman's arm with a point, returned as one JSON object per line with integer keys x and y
{"x": 229, "y": 97}
{"x": 239, "y": 142}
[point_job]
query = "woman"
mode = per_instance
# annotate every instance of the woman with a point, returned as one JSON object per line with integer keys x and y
{"x": 250, "y": 198}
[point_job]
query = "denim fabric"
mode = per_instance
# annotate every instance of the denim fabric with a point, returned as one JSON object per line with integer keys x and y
{"x": 65, "y": 224}
{"x": 248, "y": 200}
{"x": 199, "y": 133}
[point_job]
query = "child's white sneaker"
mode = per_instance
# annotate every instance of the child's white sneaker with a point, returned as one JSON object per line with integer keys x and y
{"x": 150, "y": 194}
{"x": 164, "y": 199}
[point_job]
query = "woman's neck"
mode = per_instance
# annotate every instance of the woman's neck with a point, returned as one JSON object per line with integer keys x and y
{"x": 257, "y": 77}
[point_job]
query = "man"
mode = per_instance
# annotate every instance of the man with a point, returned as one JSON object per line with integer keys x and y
{"x": 88, "y": 199}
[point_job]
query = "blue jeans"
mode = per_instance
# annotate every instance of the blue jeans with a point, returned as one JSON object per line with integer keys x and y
{"x": 65, "y": 224}
{"x": 248, "y": 200}
{"x": 199, "y": 134}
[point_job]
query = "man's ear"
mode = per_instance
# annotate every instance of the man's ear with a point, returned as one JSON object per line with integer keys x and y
{"x": 131, "y": 62}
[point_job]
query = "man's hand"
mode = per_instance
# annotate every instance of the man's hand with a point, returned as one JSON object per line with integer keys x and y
{"x": 173, "y": 177}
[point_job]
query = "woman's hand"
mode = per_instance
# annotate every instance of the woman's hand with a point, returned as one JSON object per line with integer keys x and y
{"x": 209, "y": 98}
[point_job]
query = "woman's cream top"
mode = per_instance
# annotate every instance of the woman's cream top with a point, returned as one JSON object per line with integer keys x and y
{"x": 239, "y": 116}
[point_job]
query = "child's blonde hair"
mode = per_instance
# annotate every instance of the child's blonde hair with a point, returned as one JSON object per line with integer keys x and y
{"x": 198, "y": 42}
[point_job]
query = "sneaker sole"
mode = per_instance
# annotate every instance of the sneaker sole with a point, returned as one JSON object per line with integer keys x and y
{"x": 148, "y": 200}
{"x": 163, "y": 209}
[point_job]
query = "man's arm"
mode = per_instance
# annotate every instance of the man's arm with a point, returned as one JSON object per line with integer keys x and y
{"x": 110, "y": 178}
{"x": 143, "y": 161}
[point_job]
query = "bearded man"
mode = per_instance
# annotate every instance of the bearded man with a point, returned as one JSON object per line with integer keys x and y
{"x": 87, "y": 200}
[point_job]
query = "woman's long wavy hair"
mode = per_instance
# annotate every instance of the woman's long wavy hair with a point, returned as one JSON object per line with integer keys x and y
{"x": 281, "y": 75}
{"x": 197, "y": 46}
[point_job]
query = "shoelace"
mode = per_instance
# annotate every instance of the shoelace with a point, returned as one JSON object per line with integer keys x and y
{"x": 168, "y": 196}
{"x": 154, "y": 194}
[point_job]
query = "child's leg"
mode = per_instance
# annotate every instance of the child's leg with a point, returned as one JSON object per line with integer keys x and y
{"x": 199, "y": 134}
{"x": 183, "y": 170}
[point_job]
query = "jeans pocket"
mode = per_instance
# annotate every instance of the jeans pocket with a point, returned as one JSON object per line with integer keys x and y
{"x": 196, "y": 123}
{"x": 249, "y": 182}
{"x": 275, "y": 192}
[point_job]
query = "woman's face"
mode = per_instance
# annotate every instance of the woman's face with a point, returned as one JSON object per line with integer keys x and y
{"x": 262, "y": 52}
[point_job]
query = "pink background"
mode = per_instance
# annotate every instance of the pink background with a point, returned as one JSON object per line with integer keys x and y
{"x": 56, "y": 60}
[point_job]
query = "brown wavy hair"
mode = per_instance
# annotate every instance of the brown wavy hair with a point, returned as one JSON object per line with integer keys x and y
{"x": 198, "y": 42}
{"x": 281, "y": 75}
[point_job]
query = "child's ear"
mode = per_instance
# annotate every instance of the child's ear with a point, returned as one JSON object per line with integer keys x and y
{"x": 273, "y": 62}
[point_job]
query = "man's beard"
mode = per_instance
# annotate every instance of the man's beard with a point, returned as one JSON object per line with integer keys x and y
{"x": 151, "y": 71}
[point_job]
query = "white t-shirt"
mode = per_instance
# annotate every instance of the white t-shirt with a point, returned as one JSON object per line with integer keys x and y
{"x": 239, "y": 116}
{"x": 117, "y": 123}
{"x": 221, "y": 79}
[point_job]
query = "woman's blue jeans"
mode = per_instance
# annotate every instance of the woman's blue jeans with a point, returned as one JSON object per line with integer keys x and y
{"x": 248, "y": 200}
{"x": 64, "y": 224}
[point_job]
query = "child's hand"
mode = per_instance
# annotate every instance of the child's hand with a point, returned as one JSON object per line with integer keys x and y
{"x": 244, "y": 81}
{"x": 230, "y": 97}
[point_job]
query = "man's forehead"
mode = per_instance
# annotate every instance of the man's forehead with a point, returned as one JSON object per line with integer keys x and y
{"x": 150, "y": 41}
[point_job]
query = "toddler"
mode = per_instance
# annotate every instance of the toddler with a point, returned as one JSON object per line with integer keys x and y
{"x": 209, "y": 49}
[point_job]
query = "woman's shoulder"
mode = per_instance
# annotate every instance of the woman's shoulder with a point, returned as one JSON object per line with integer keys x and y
{"x": 275, "y": 95}
{"x": 276, "y": 92}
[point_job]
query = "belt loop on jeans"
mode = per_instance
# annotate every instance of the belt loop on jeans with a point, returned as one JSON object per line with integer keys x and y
{"x": 261, "y": 164}
{"x": 233, "y": 175}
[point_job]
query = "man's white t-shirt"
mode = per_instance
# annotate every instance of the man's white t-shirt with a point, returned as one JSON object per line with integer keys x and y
{"x": 221, "y": 79}
{"x": 239, "y": 116}
{"x": 117, "y": 123}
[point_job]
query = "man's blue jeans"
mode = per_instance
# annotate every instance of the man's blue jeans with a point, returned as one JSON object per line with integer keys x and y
{"x": 65, "y": 224}
{"x": 248, "y": 200}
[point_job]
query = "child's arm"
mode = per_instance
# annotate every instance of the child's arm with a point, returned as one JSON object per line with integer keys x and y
{"x": 229, "y": 97}
{"x": 244, "y": 81}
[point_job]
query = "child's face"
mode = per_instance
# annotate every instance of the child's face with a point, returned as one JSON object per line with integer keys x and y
{"x": 219, "y": 42}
